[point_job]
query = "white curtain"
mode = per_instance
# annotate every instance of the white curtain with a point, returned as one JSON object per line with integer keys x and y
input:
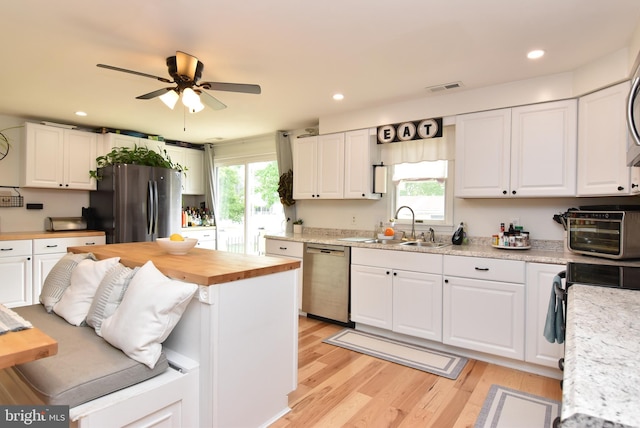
{"x": 210, "y": 184}
{"x": 421, "y": 150}
{"x": 285, "y": 163}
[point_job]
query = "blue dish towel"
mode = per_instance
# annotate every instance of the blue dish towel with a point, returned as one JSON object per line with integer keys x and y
{"x": 554, "y": 325}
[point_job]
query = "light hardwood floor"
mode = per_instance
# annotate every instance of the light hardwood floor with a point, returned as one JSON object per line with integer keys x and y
{"x": 342, "y": 388}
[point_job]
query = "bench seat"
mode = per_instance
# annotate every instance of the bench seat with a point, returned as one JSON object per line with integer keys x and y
{"x": 86, "y": 366}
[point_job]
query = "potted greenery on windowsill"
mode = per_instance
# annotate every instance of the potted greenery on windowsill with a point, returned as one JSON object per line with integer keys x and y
{"x": 137, "y": 155}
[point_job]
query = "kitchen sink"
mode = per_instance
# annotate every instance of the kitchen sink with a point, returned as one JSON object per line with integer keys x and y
{"x": 425, "y": 244}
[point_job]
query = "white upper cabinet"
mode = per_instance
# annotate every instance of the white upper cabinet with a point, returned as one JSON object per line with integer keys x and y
{"x": 58, "y": 158}
{"x": 318, "y": 167}
{"x": 483, "y": 153}
{"x": 603, "y": 138}
{"x": 527, "y": 151}
{"x": 360, "y": 154}
{"x": 335, "y": 166}
{"x": 193, "y": 160}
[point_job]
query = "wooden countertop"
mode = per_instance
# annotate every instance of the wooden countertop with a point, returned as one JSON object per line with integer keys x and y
{"x": 9, "y": 236}
{"x": 20, "y": 347}
{"x": 200, "y": 266}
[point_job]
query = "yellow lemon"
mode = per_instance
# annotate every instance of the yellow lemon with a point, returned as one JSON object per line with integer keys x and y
{"x": 176, "y": 237}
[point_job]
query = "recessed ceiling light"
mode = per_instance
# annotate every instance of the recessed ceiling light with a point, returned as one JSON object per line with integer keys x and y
{"x": 81, "y": 113}
{"x": 535, "y": 54}
{"x": 338, "y": 97}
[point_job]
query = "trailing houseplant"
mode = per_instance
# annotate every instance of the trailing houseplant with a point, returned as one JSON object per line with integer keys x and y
{"x": 138, "y": 155}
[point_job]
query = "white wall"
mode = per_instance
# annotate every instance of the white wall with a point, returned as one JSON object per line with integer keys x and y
{"x": 481, "y": 216}
{"x": 57, "y": 203}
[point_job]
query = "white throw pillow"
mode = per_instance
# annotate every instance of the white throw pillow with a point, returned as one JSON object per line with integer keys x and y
{"x": 59, "y": 278}
{"x": 150, "y": 309}
{"x": 109, "y": 295}
{"x": 85, "y": 279}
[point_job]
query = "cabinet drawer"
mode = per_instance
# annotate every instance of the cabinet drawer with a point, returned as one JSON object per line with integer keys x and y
{"x": 200, "y": 235}
{"x": 59, "y": 245}
{"x": 405, "y": 260}
{"x": 488, "y": 269}
{"x": 20, "y": 247}
{"x": 284, "y": 248}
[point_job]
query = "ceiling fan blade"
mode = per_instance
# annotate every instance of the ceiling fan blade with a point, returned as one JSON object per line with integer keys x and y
{"x": 186, "y": 64}
{"x": 124, "y": 70}
{"x": 232, "y": 87}
{"x": 211, "y": 101}
{"x": 154, "y": 94}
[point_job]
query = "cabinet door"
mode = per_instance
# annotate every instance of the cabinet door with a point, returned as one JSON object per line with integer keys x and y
{"x": 43, "y": 162}
{"x": 304, "y": 168}
{"x": 80, "y": 152}
{"x": 483, "y": 154}
{"x": 16, "y": 281}
{"x": 543, "y": 149}
{"x": 194, "y": 180}
{"x": 539, "y": 289}
{"x": 603, "y": 138}
{"x": 330, "y": 158}
{"x": 371, "y": 296}
{"x": 417, "y": 304}
{"x": 359, "y": 157}
{"x": 484, "y": 316}
{"x": 42, "y": 265}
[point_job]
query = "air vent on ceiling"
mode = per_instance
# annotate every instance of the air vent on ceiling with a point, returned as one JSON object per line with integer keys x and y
{"x": 445, "y": 87}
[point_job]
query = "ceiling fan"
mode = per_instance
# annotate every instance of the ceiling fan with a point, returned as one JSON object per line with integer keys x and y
{"x": 186, "y": 71}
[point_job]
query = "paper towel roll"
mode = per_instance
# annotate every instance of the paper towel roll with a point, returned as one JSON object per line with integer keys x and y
{"x": 380, "y": 179}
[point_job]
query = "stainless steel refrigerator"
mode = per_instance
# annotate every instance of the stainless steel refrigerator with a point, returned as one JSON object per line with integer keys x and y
{"x": 135, "y": 203}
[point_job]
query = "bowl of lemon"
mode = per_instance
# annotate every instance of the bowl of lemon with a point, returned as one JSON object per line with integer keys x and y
{"x": 176, "y": 244}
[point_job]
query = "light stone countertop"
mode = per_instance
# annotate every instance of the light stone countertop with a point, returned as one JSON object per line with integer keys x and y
{"x": 551, "y": 252}
{"x": 602, "y": 359}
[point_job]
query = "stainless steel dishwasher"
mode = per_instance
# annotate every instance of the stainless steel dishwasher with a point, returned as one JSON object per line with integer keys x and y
{"x": 325, "y": 283}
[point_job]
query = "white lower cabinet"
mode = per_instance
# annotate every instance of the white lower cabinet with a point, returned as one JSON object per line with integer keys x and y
{"x": 47, "y": 252}
{"x": 484, "y": 305}
{"x": 395, "y": 298}
{"x": 206, "y": 238}
{"x": 15, "y": 271}
{"x": 288, "y": 250}
{"x": 539, "y": 285}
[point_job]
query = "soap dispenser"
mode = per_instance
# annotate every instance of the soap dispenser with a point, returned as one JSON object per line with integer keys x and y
{"x": 458, "y": 235}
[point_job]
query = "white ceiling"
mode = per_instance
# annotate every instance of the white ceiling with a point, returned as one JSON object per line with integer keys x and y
{"x": 299, "y": 51}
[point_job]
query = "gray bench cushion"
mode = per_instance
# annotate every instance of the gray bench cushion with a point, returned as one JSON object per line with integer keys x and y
{"x": 86, "y": 366}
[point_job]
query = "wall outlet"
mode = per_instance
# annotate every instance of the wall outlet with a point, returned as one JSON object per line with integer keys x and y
{"x": 353, "y": 220}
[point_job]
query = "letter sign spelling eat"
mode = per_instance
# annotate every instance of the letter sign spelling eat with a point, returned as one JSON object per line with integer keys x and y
{"x": 406, "y": 131}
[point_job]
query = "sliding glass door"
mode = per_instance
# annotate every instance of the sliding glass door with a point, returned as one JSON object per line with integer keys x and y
{"x": 248, "y": 204}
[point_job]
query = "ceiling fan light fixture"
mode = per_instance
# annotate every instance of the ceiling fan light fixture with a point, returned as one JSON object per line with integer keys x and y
{"x": 190, "y": 99}
{"x": 170, "y": 98}
{"x": 196, "y": 108}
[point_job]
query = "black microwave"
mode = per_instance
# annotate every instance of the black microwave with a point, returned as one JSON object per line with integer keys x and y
{"x": 609, "y": 234}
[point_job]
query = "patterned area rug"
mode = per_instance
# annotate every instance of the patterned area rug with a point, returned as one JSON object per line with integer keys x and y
{"x": 509, "y": 408}
{"x": 436, "y": 362}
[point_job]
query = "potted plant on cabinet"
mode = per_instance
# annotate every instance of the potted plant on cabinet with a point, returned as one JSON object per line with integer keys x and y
{"x": 297, "y": 226}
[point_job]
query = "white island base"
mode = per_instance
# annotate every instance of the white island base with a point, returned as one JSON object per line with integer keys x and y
{"x": 244, "y": 334}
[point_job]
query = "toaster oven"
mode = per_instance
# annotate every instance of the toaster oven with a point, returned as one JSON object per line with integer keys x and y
{"x": 604, "y": 233}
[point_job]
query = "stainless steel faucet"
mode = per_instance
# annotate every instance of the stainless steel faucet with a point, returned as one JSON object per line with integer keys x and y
{"x": 413, "y": 220}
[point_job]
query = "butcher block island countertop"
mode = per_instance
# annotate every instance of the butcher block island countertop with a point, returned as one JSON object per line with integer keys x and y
{"x": 199, "y": 265}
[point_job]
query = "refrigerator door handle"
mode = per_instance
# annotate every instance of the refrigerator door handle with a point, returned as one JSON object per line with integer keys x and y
{"x": 156, "y": 210}
{"x": 150, "y": 207}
